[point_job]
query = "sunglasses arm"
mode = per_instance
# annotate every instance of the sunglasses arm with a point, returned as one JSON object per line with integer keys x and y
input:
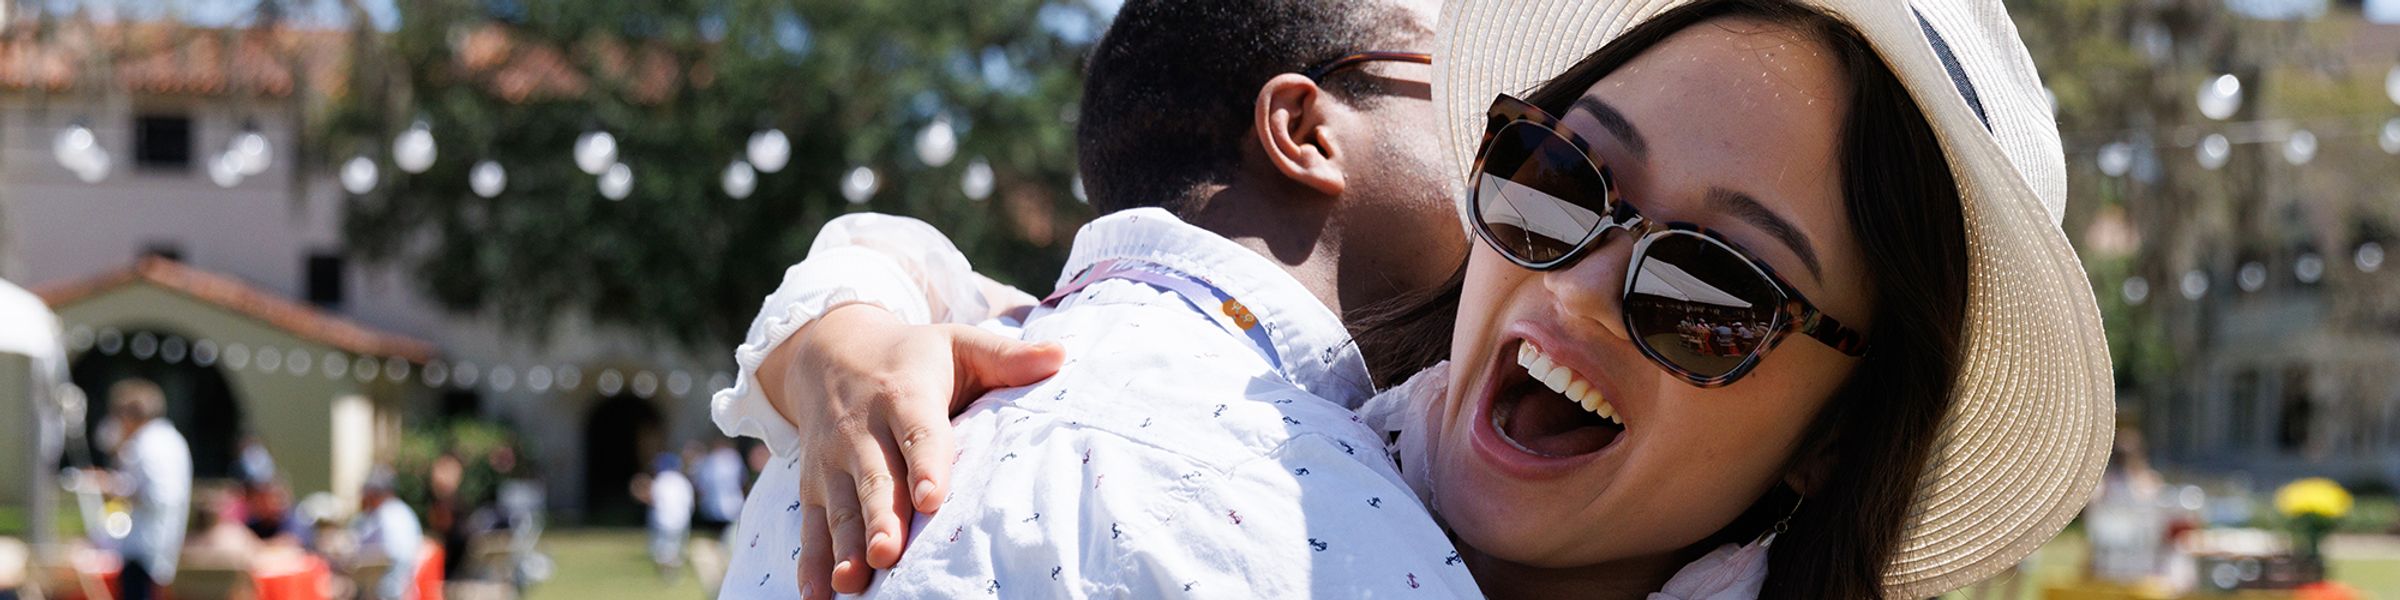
{"x": 1806, "y": 320}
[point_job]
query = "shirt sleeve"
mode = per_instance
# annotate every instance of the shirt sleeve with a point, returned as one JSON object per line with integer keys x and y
{"x": 900, "y": 264}
{"x": 401, "y": 539}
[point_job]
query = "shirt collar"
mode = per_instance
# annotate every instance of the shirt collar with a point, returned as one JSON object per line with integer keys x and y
{"x": 1316, "y": 349}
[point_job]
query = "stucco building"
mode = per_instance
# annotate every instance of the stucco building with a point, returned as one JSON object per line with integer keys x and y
{"x": 237, "y": 293}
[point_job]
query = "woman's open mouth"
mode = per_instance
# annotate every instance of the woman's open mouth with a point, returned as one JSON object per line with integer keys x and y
{"x": 1543, "y": 408}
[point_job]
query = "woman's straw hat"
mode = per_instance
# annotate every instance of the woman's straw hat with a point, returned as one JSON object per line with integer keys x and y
{"x": 2029, "y": 431}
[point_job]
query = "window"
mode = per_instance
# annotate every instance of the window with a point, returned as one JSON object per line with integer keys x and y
{"x": 2242, "y": 428}
{"x": 325, "y": 279}
{"x": 461, "y": 404}
{"x": 167, "y": 250}
{"x": 2295, "y": 428}
{"x": 162, "y": 142}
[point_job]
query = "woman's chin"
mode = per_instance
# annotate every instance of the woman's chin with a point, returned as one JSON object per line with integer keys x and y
{"x": 1503, "y": 525}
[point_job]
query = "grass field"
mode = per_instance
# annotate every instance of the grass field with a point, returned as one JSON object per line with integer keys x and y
{"x": 606, "y": 564}
{"x": 2377, "y": 575}
{"x": 12, "y": 521}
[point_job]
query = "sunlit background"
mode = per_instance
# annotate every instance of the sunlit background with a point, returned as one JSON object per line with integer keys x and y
{"x": 505, "y": 247}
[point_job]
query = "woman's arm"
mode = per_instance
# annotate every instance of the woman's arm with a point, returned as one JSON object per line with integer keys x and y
{"x": 861, "y": 356}
{"x": 898, "y": 264}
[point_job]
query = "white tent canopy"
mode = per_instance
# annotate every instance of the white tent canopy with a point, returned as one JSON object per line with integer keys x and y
{"x": 1659, "y": 278}
{"x": 27, "y": 327}
{"x": 1514, "y": 204}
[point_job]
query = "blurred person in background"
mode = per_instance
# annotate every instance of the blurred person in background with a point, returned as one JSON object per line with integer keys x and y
{"x": 669, "y": 494}
{"x": 720, "y": 475}
{"x": 446, "y": 512}
{"x": 2127, "y": 527}
{"x": 757, "y": 458}
{"x": 388, "y": 530}
{"x": 257, "y": 466}
{"x": 268, "y": 511}
{"x": 154, "y": 477}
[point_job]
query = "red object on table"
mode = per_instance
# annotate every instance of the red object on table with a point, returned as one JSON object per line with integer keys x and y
{"x": 429, "y": 572}
{"x": 309, "y": 578}
{"x": 88, "y": 567}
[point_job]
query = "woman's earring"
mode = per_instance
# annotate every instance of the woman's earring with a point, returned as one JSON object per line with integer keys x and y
{"x": 1786, "y": 524}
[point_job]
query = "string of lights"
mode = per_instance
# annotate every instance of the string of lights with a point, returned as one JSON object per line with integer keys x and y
{"x": 2309, "y": 269}
{"x": 269, "y": 359}
{"x": 414, "y": 151}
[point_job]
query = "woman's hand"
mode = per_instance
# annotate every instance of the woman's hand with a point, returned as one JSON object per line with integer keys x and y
{"x": 871, "y": 398}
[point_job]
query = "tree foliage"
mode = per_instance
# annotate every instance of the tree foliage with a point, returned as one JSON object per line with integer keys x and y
{"x": 682, "y": 84}
{"x": 2129, "y": 72}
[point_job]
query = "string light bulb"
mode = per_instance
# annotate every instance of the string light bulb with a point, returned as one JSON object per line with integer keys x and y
{"x": 359, "y": 175}
{"x": 617, "y": 182}
{"x": 413, "y": 150}
{"x": 488, "y": 179}
{"x": 859, "y": 186}
{"x": 977, "y": 181}
{"x": 2220, "y": 97}
{"x": 769, "y": 150}
{"x": 595, "y": 150}
{"x": 740, "y": 179}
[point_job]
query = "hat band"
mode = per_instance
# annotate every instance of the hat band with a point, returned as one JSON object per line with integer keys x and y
{"x": 1958, "y": 72}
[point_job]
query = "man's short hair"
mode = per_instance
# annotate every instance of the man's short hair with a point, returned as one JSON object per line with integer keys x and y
{"x": 1168, "y": 95}
{"x": 136, "y": 400}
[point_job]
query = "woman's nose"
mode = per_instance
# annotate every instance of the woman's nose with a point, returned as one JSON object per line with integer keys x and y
{"x": 1590, "y": 291}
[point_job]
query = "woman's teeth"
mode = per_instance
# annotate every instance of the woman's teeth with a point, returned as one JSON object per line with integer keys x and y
{"x": 1564, "y": 381}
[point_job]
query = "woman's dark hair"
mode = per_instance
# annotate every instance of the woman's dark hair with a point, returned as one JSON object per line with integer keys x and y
{"x": 1878, "y": 430}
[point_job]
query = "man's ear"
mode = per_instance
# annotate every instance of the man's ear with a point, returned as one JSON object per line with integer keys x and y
{"x": 1290, "y": 122}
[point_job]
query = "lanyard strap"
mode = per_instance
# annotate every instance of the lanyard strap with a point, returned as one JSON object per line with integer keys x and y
{"x": 1204, "y": 297}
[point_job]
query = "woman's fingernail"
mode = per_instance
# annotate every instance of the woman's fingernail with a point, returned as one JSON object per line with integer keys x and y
{"x": 877, "y": 538}
{"x": 808, "y": 589}
{"x": 923, "y": 493}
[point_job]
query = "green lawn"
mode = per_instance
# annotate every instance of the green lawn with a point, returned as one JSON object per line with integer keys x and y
{"x": 602, "y": 564}
{"x": 2062, "y": 561}
{"x": 12, "y": 521}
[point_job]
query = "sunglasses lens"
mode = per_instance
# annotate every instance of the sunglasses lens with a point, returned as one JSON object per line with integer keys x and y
{"x": 1699, "y": 305}
{"x": 1537, "y": 196}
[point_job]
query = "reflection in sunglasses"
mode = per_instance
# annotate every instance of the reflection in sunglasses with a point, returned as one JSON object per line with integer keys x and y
{"x": 1661, "y": 279}
{"x": 1519, "y": 213}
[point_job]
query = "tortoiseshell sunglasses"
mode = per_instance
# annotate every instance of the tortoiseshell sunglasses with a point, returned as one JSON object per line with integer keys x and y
{"x": 1695, "y": 302}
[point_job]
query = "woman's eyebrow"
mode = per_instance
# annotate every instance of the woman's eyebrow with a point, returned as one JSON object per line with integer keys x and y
{"x": 1616, "y": 124}
{"x": 1749, "y": 210}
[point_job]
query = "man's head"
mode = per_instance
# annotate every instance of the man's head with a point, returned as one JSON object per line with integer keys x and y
{"x": 1200, "y": 107}
{"x": 136, "y": 402}
{"x": 377, "y": 488}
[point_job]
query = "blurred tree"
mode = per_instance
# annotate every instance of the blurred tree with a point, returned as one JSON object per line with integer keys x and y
{"x": 2130, "y": 73}
{"x": 682, "y": 85}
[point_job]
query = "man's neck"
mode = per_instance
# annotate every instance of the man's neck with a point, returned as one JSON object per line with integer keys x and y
{"x": 1296, "y": 234}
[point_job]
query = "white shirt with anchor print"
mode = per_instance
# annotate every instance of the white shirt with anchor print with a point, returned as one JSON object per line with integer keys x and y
{"x": 1168, "y": 458}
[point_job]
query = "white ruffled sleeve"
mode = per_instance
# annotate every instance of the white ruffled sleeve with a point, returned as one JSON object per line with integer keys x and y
{"x": 1398, "y": 414}
{"x": 900, "y": 264}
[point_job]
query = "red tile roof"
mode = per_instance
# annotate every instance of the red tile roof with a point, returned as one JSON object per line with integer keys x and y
{"x": 298, "y": 319}
{"x": 173, "y": 59}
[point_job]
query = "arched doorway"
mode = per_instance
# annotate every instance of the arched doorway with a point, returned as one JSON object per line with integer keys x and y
{"x": 619, "y": 438}
{"x": 199, "y": 402}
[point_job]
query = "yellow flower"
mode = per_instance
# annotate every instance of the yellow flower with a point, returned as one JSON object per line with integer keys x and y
{"x": 2313, "y": 496}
